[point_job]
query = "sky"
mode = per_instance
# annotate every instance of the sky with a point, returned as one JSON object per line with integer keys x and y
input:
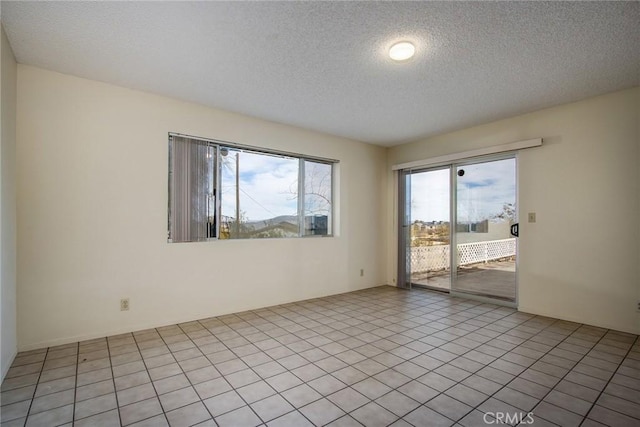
{"x": 268, "y": 186}
{"x": 482, "y": 191}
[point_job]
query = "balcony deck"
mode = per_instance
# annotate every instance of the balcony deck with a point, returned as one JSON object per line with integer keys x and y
{"x": 494, "y": 278}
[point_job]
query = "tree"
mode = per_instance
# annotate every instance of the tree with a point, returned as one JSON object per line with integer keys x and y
{"x": 508, "y": 213}
{"x": 317, "y": 188}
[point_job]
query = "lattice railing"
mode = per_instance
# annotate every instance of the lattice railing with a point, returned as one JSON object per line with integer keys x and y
{"x": 434, "y": 258}
{"x": 429, "y": 258}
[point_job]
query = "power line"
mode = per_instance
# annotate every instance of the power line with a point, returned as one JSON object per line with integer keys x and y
{"x": 258, "y": 203}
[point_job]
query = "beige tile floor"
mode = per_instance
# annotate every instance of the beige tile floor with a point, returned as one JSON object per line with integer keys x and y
{"x": 376, "y": 357}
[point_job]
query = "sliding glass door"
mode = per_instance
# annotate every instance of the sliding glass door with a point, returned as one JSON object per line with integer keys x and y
{"x": 427, "y": 231}
{"x": 476, "y": 256}
{"x": 485, "y": 211}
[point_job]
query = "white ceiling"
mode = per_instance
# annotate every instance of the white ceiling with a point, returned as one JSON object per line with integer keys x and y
{"x": 324, "y": 65}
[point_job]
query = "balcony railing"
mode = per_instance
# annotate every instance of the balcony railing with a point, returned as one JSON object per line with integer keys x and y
{"x": 434, "y": 258}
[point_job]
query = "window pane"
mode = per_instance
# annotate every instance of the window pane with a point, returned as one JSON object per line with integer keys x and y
{"x": 259, "y": 195}
{"x": 191, "y": 190}
{"x": 317, "y": 198}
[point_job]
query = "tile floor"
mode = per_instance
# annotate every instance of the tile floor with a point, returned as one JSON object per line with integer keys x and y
{"x": 376, "y": 357}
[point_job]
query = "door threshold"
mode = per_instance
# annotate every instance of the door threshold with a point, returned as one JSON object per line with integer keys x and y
{"x": 430, "y": 288}
{"x": 485, "y": 299}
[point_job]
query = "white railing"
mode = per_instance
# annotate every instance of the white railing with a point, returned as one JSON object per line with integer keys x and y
{"x": 434, "y": 258}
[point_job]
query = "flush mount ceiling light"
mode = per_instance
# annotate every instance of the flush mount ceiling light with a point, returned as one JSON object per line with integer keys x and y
{"x": 402, "y": 51}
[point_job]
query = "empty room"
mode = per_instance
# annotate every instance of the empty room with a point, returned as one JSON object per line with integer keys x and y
{"x": 320, "y": 213}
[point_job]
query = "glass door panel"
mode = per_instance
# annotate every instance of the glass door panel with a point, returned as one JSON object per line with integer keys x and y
{"x": 404, "y": 231}
{"x": 429, "y": 228}
{"x": 485, "y": 259}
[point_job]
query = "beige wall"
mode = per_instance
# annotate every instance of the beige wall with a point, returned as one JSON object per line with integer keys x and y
{"x": 579, "y": 261}
{"x": 8, "y": 340}
{"x": 92, "y": 198}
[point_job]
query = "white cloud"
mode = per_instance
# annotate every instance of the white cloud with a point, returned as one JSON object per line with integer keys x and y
{"x": 268, "y": 186}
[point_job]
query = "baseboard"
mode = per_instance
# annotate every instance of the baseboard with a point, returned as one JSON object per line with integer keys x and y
{"x": 141, "y": 327}
{"x": 107, "y": 333}
{"x": 605, "y": 325}
{"x": 7, "y": 365}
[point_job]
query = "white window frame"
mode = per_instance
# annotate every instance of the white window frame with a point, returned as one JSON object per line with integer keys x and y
{"x": 219, "y": 145}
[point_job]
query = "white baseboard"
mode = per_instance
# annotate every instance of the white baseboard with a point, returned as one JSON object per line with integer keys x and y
{"x": 7, "y": 365}
{"x": 143, "y": 326}
{"x": 576, "y": 320}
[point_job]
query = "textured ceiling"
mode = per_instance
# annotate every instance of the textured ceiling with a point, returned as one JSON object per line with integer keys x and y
{"x": 324, "y": 65}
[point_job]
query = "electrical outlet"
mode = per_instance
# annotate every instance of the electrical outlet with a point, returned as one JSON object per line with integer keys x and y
{"x": 124, "y": 304}
{"x": 532, "y": 217}
{"x": 638, "y": 307}
{"x": 361, "y": 272}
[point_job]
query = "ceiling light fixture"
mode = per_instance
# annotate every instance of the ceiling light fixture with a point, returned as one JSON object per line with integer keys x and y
{"x": 402, "y": 51}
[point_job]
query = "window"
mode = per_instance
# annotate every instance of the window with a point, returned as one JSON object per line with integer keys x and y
{"x": 258, "y": 195}
{"x": 219, "y": 190}
{"x": 191, "y": 190}
{"x": 316, "y": 198}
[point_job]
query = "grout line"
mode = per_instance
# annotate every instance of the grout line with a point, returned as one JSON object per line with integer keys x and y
{"x": 75, "y": 388}
{"x": 261, "y": 378}
{"x": 212, "y": 365}
{"x": 561, "y": 378}
{"x": 485, "y": 365}
{"x": 33, "y": 397}
{"x": 603, "y": 336}
{"x": 308, "y": 363}
{"x": 607, "y": 384}
{"x": 113, "y": 378}
{"x": 150, "y": 382}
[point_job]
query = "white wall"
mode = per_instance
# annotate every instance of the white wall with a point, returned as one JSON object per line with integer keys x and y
{"x": 92, "y": 202}
{"x": 580, "y": 260}
{"x": 92, "y": 196}
{"x": 8, "y": 339}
